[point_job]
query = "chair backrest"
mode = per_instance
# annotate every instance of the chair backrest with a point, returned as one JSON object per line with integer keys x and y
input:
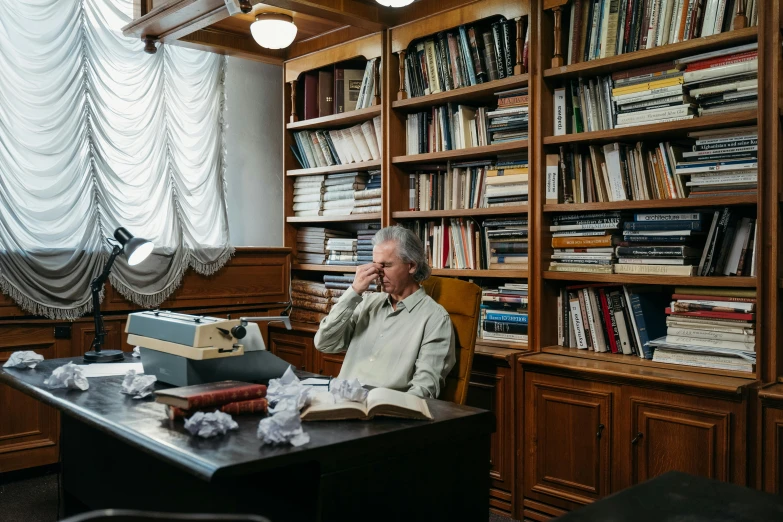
{"x": 461, "y": 300}
{"x": 132, "y": 515}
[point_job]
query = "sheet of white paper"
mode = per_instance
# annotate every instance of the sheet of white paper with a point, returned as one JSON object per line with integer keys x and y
{"x": 315, "y": 381}
{"x": 110, "y": 369}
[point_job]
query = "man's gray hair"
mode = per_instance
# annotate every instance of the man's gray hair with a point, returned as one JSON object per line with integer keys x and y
{"x": 409, "y": 249}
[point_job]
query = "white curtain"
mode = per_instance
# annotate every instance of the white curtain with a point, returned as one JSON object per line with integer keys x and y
{"x": 96, "y": 134}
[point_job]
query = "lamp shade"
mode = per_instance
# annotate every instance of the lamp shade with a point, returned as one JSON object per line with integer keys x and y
{"x": 273, "y": 30}
{"x": 136, "y": 249}
{"x": 395, "y": 3}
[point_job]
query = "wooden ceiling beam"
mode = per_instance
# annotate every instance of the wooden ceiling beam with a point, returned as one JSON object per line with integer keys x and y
{"x": 231, "y": 44}
{"x": 322, "y": 41}
{"x": 345, "y": 12}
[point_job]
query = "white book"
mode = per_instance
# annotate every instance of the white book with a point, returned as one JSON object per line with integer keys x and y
{"x": 714, "y": 343}
{"x": 594, "y": 316}
{"x": 651, "y": 122}
{"x": 740, "y": 85}
{"x": 576, "y": 323}
{"x": 349, "y": 146}
{"x": 305, "y": 198}
{"x": 740, "y": 241}
{"x": 711, "y": 334}
{"x": 652, "y": 261}
{"x": 369, "y": 136}
{"x": 665, "y": 21}
{"x": 654, "y": 114}
{"x": 552, "y": 171}
{"x": 654, "y": 269}
{"x": 721, "y": 71}
{"x": 674, "y": 28}
{"x": 376, "y": 123}
{"x": 360, "y": 143}
{"x": 614, "y": 172}
{"x": 649, "y": 94}
{"x": 732, "y": 179}
{"x": 560, "y": 112}
{"x": 710, "y": 13}
{"x": 716, "y": 166}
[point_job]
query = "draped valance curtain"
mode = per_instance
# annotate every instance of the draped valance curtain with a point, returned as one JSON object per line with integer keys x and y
{"x": 96, "y": 134}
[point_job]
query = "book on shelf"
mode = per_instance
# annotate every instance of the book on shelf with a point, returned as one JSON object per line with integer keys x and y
{"x": 379, "y": 402}
{"x": 503, "y": 315}
{"x": 700, "y": 243}
{"x": 465, "y": 56}
{"x": 606, "y": 28}
{"x": 339, "y": 88}
{"x": 337, "y": 194}
{"x": 326, "y": 148}
{"x": 210, "y": 394}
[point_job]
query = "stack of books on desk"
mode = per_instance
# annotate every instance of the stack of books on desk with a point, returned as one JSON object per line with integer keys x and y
{"x": 710, "y": 328}
{"x": 311, "y": 244}
{"x": 232, "y": 397}
{"x": 310, "y": 300}
{"x": 368, "y": 198}
{"x": 504, "y": 313}
{"x": 585, "y": 242}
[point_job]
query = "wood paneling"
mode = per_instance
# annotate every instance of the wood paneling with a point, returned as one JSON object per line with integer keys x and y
{"x": 366, "y": 46}
{"x": 328, "y": 364}
{"x": 294, "y": 348}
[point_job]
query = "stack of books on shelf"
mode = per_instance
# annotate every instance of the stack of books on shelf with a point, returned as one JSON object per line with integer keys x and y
{"x": 722, "y": 163}
{"x": 504, "y": 313}
{"x": 339, "y": 192}
{"x": 507, "y": 243}
{"x": 326, "y": 148}
{"x": 509, "y": 122}
{"x": 311, "y": 244}
{"x": 368, "y": 199}
{"x": 446, "y": 127}
{"x": 585, "y": 242}
{"x": 507, "y": 182}
{"x": 308, "y": 195}
{"x": 730, "y": 246}
{"x": 607, "y": 28}
{"x": 338, "y": 89}
{"x": 310, "y": 301}
{"x": 468, "y": 55}
{"x": 611, "y": 318}
{"x": 710, "y": 328}
{"x": 338, "y": 284}
{"x": 342, "y": 251}
{"x": 364, "y": 237}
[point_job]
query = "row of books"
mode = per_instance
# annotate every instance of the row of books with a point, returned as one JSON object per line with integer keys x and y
{"x": 604, "y": 28}
{"x": 338, "y": 89}
{"x": 318, "y": 246}
{"x": 709, "y": 83}
{"x": 468, "y": 55}
{"x": 504, "y": 313}
{"x": 718, "y": 162}
{"x": 325, "y": 148}
{"x": 458, "y": 243}
{"x": 337, "y": 194}
{"x": 703, "y": 243}
{"x": 466, "y": 185}
{"x": 705, "y": 327}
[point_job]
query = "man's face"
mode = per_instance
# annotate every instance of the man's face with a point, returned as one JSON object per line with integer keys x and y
{"x": 395, "y": 275}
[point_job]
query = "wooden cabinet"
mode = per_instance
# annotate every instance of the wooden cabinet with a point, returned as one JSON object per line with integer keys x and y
{"x": 328, "y": 364}
{"x": 293, "y": 347}
{"x": 771, "y": 439}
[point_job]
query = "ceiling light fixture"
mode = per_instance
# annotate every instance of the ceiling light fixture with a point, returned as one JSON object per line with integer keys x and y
{"x": 395, "y": 3}
{"x": 273, "y": 30}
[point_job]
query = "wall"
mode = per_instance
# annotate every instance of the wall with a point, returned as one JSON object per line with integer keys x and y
{"x": 254, "y": 143}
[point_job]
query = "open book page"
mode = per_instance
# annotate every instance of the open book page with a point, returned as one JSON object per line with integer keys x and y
{"x": 329, "y": 410}
{"x": 383, "y": 401}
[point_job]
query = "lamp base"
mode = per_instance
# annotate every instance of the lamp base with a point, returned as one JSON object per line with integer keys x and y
{"x": 103, "y": 356}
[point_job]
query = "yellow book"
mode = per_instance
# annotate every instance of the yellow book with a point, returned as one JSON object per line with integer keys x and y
{"x": 505, "y": 180}
{"x": 508, "y": 172}
{"x": 646, "y": 86}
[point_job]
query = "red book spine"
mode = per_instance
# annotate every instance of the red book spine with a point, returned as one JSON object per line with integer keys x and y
{"x": 691, "y": 297}
{"x": 722, "y": 60}
{"x": 716, "y": 315}
{"x": 243, "y": 393}
{"x": 232, "y": 408}
{"x": 607, "y": 319}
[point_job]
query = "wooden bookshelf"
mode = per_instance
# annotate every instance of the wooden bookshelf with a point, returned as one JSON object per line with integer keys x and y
{"x": 505, "y": 274}
{"x": 667, "y": 130}
{"x": 486, "y": 151}
{"x": 336, "y": 120}
{"x": 471, "y": 212}
{"x": 373, "y": 216}
{"x": 324, "y": 268}
{"x": 500, "y": 344}
{"x": 336, "y": 169}
{"x": 721, "y": 201}
{"x": 627, "y": 279}
{"x": 483, "y": 93}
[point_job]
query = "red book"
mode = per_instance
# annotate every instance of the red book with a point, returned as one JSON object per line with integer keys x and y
{"x": 211, "y": 394}
{"x": 607, "y": 319}
{"x": 722, "y": 60}
{"x": 232, "y": 408}
{"x": 691, "y": 297}
{"x": 715, "y": 315}
{"x": 311, "y": 96}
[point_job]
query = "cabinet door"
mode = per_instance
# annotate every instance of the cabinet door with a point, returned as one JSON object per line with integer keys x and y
{"x": 678, "y": 432}
{"x": 568, "y": 431}
{"x": 772, "y": 449}
{"x": 296, "y": 349}
{"x": 328, "y": 364}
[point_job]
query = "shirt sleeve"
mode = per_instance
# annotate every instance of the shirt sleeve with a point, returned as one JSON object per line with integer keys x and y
{"x": 436, "y": 358}
{"x": 336, "y": 329}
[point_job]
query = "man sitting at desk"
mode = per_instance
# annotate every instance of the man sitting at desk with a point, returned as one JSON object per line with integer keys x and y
{"x": 398, "y": 338}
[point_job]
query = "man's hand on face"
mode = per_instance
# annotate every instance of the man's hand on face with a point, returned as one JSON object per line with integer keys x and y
{"x": 365, "y": 276}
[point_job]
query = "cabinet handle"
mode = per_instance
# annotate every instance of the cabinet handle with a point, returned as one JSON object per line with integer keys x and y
{"x": 638, "y": 437}
{"x": 600, "y": 431}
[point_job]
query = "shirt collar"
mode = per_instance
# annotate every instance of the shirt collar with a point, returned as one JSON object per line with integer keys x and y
{"x": 410, "y": 302}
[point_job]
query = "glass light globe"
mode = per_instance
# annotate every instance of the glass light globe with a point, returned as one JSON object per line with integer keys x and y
{"x": 395, "y": 3}
{"x": 273, "y": 30}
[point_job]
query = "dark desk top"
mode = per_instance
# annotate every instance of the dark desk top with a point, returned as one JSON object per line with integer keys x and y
{"x": 679, "y": 497}
{"x": 143, "y": 424}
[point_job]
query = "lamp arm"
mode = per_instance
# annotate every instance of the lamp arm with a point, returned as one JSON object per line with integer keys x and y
{"x": 96, "y": 286}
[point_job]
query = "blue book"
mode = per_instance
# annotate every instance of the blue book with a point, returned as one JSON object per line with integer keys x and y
{"x": 663, "y": 225}
{"x": 648, "y": 306}
{"x": 506, "y": 317}
{"x": 465, "y": 51}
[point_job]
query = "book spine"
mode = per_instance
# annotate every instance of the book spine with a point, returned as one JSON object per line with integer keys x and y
{"x": 255, "y": 391}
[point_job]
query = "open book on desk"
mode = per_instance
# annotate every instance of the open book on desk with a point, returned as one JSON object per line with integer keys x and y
{"x": 380, "y": 401}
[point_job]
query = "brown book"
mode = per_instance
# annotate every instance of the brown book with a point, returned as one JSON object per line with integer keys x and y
{"x": 301, "y": 315}
{"x": 583, "y": 241}
{"x": 325, "y": 93}
{"x": 211, "y": 394}
{"x": 380, "y": 402}
{"x": 310, "y": 95}
{"x": 307, "y": 305}
{"x": 232, "y": 408}
{"x": 309, "y": 298}
{"x": 309, "y": 287}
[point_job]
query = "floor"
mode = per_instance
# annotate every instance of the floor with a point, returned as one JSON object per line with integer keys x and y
{"x": 32, "y": 496}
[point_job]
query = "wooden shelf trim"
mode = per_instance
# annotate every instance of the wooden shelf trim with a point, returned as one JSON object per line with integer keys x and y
{"x": 337, "y": 120}
{"x": 462, "y": 154}
{"x": 373, "y": 216}
{"x": 654, "y": 55}
{"x": 475, "y": 92}
{"x": 502, "y": 348}
{"x": 563, "y": 360}
{"x": 576, "y": 277}
{"x": 653, "y": 204}
{"x": 772, "y": 392}
{"x": 480, "y": 273}
{"x": 324, "y": 268}
{"x": 658, "y": 130}
{"x": 469, "y": 212}
{"x": 335, "y": 169}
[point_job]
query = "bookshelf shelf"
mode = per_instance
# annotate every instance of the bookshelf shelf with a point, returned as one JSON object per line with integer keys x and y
{"x": 461, "y": 154}
{"x": 470, "y": 212}
{"x": 335, "y": 169}
{"x": 336, "y": 120}
{"x": 324, "y": 268}
{"x": 374, "y": 216}
{"x": 653, "y": 204}
{"x": 501, "y": 344}
{"x": 635, "y": 360}
{"x": 738, "y": 282}
{"x": 483, "y": 92}
{"x": 654, "y": 55}
{"x": 668, "y": 130}
{"x": 480, "y": 273}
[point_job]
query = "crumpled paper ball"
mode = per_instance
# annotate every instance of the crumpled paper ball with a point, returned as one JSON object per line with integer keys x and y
{"x": 68, "y": 376}
{"x": 210, "y": 424}
{"x": 23, "y": 359}
{"x": 136, "y": 352}
{"x": 138, "y": 385}
{"x": 348, "y": 391}
{"x": 281, "y": 428}
{"x": 288, "y": 393}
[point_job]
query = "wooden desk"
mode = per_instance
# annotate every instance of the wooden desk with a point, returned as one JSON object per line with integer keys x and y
{"x": 123, "y": 453}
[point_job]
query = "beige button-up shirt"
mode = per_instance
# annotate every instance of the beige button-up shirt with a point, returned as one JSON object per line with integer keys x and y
{"x": 409, "y": 349}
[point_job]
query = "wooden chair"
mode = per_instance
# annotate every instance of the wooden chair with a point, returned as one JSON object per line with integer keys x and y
{"x": 132, "y": 515}
{"x": 461, "y": 300}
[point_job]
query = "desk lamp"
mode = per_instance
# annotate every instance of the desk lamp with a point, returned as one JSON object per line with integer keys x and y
{"x": 136, "y": 250}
